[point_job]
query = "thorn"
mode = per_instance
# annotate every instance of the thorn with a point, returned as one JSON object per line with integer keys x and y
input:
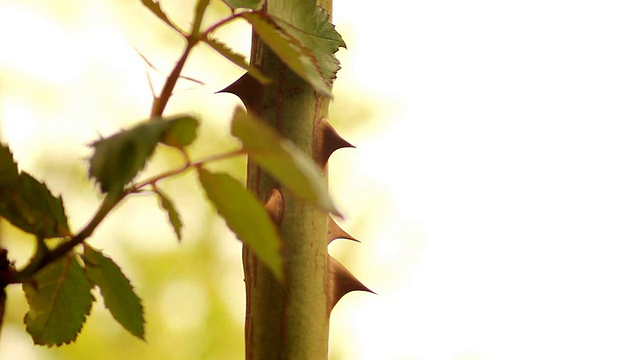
{"x": 275, "y": 205}
{"x": 342, "y": 281}
{"x": 334, "y": 231}
{"x": 327, "y": 141}
{"x": 248, "y": 89}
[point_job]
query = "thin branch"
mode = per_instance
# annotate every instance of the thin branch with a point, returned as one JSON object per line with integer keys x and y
{"x": 160, "y": 102}
{"x": 187, "y": 166}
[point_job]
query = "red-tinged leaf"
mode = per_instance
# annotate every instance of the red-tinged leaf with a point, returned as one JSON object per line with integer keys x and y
{"x": 282, "y": 159}
{"x": 116, "y": 290}
{"x": 236, "y": 58}
{"x": 245, "y": 216}
{"x": 172, "y": 213}
{"x": 59, "y": 298}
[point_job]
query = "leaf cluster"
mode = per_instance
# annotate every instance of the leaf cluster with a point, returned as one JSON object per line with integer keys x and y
{"x": 58, "y": 281}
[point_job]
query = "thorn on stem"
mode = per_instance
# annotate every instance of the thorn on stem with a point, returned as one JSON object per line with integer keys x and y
{"x": 327, "y": 140}
{"x": 334, "y": 231}
{"x": 248, "y": 89}
{"x": 341, "y": 282}
{"x": 275, "y": 205}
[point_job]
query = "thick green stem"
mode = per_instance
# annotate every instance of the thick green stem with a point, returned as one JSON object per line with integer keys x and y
{"x": 288, "y": 320}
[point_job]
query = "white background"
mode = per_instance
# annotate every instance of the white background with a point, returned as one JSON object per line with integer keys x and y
{"x": 512, "y": 147}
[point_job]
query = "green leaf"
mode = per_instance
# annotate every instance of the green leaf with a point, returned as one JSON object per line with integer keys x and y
{"x": 317, "y": 34}
{"x": 155, "y": 8}
{"x": 59, "y": 298}
{"x": 244, "y": 4}
{"x": 8, "y": 168}
{"x": 116, "y": 290}
{"x": 282, "y": 159}
{"x": 118, "y": 158}
{"x": 245, "y": 216}
{"x": 27, "y": 203}
{"x": 174, "y": 217}
{"x": 236, "y": 58}
{"x": 308, "y": 49}
{"x": 182, "y": 132}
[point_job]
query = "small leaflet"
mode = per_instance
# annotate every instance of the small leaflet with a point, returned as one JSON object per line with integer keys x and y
{"x": 116, "y": 290}
{"x": 118, "y": 159}
{"x": 172, "y": 213}
{"x": 27, "y": 203}
{"x": 245, "y": 216}
{"x": 59, "y": 298}
{"x": 236, "y": 58}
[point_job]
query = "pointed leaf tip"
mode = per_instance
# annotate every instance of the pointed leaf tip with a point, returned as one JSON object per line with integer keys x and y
{"x": 174, "y": 217}
{"x": 116, "y": 290}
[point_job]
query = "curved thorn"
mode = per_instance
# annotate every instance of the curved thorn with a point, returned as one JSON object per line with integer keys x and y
{"x": 341, "y": 282}
{"x": 326, "y": 141}
{"x": 248, "y": 89}
{"x": 275, "y": 205}
{"x": 334, "y": 231}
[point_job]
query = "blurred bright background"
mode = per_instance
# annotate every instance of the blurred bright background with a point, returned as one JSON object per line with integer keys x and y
{"x": 495, "y": 184}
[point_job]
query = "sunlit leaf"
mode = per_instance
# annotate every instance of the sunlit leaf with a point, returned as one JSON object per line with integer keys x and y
{"x": 118, "y": 158}
{"x": 116, "y": 290}
{"x": 308, "y": 49}
{"x": 282, "y": 159}
{"x": 288, "y": 49}
{"x": 59, "y": 300}
{"x": 236, "y": 58}
{"x": 244, "y": 4}
{"x": 27, "y": 203}
{"x": 172, "y": 213}
{"x": 245, "y": 216}
{"x": 316, "y": 33}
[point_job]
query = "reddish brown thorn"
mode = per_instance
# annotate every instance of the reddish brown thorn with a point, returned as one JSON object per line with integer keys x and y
{"x": 334, "y": 231}
{"x": 326, "y": 141}
{"x": 341, "y": 282}
{"x": 275, "y": 205}
{"x": 248, "y": 89}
